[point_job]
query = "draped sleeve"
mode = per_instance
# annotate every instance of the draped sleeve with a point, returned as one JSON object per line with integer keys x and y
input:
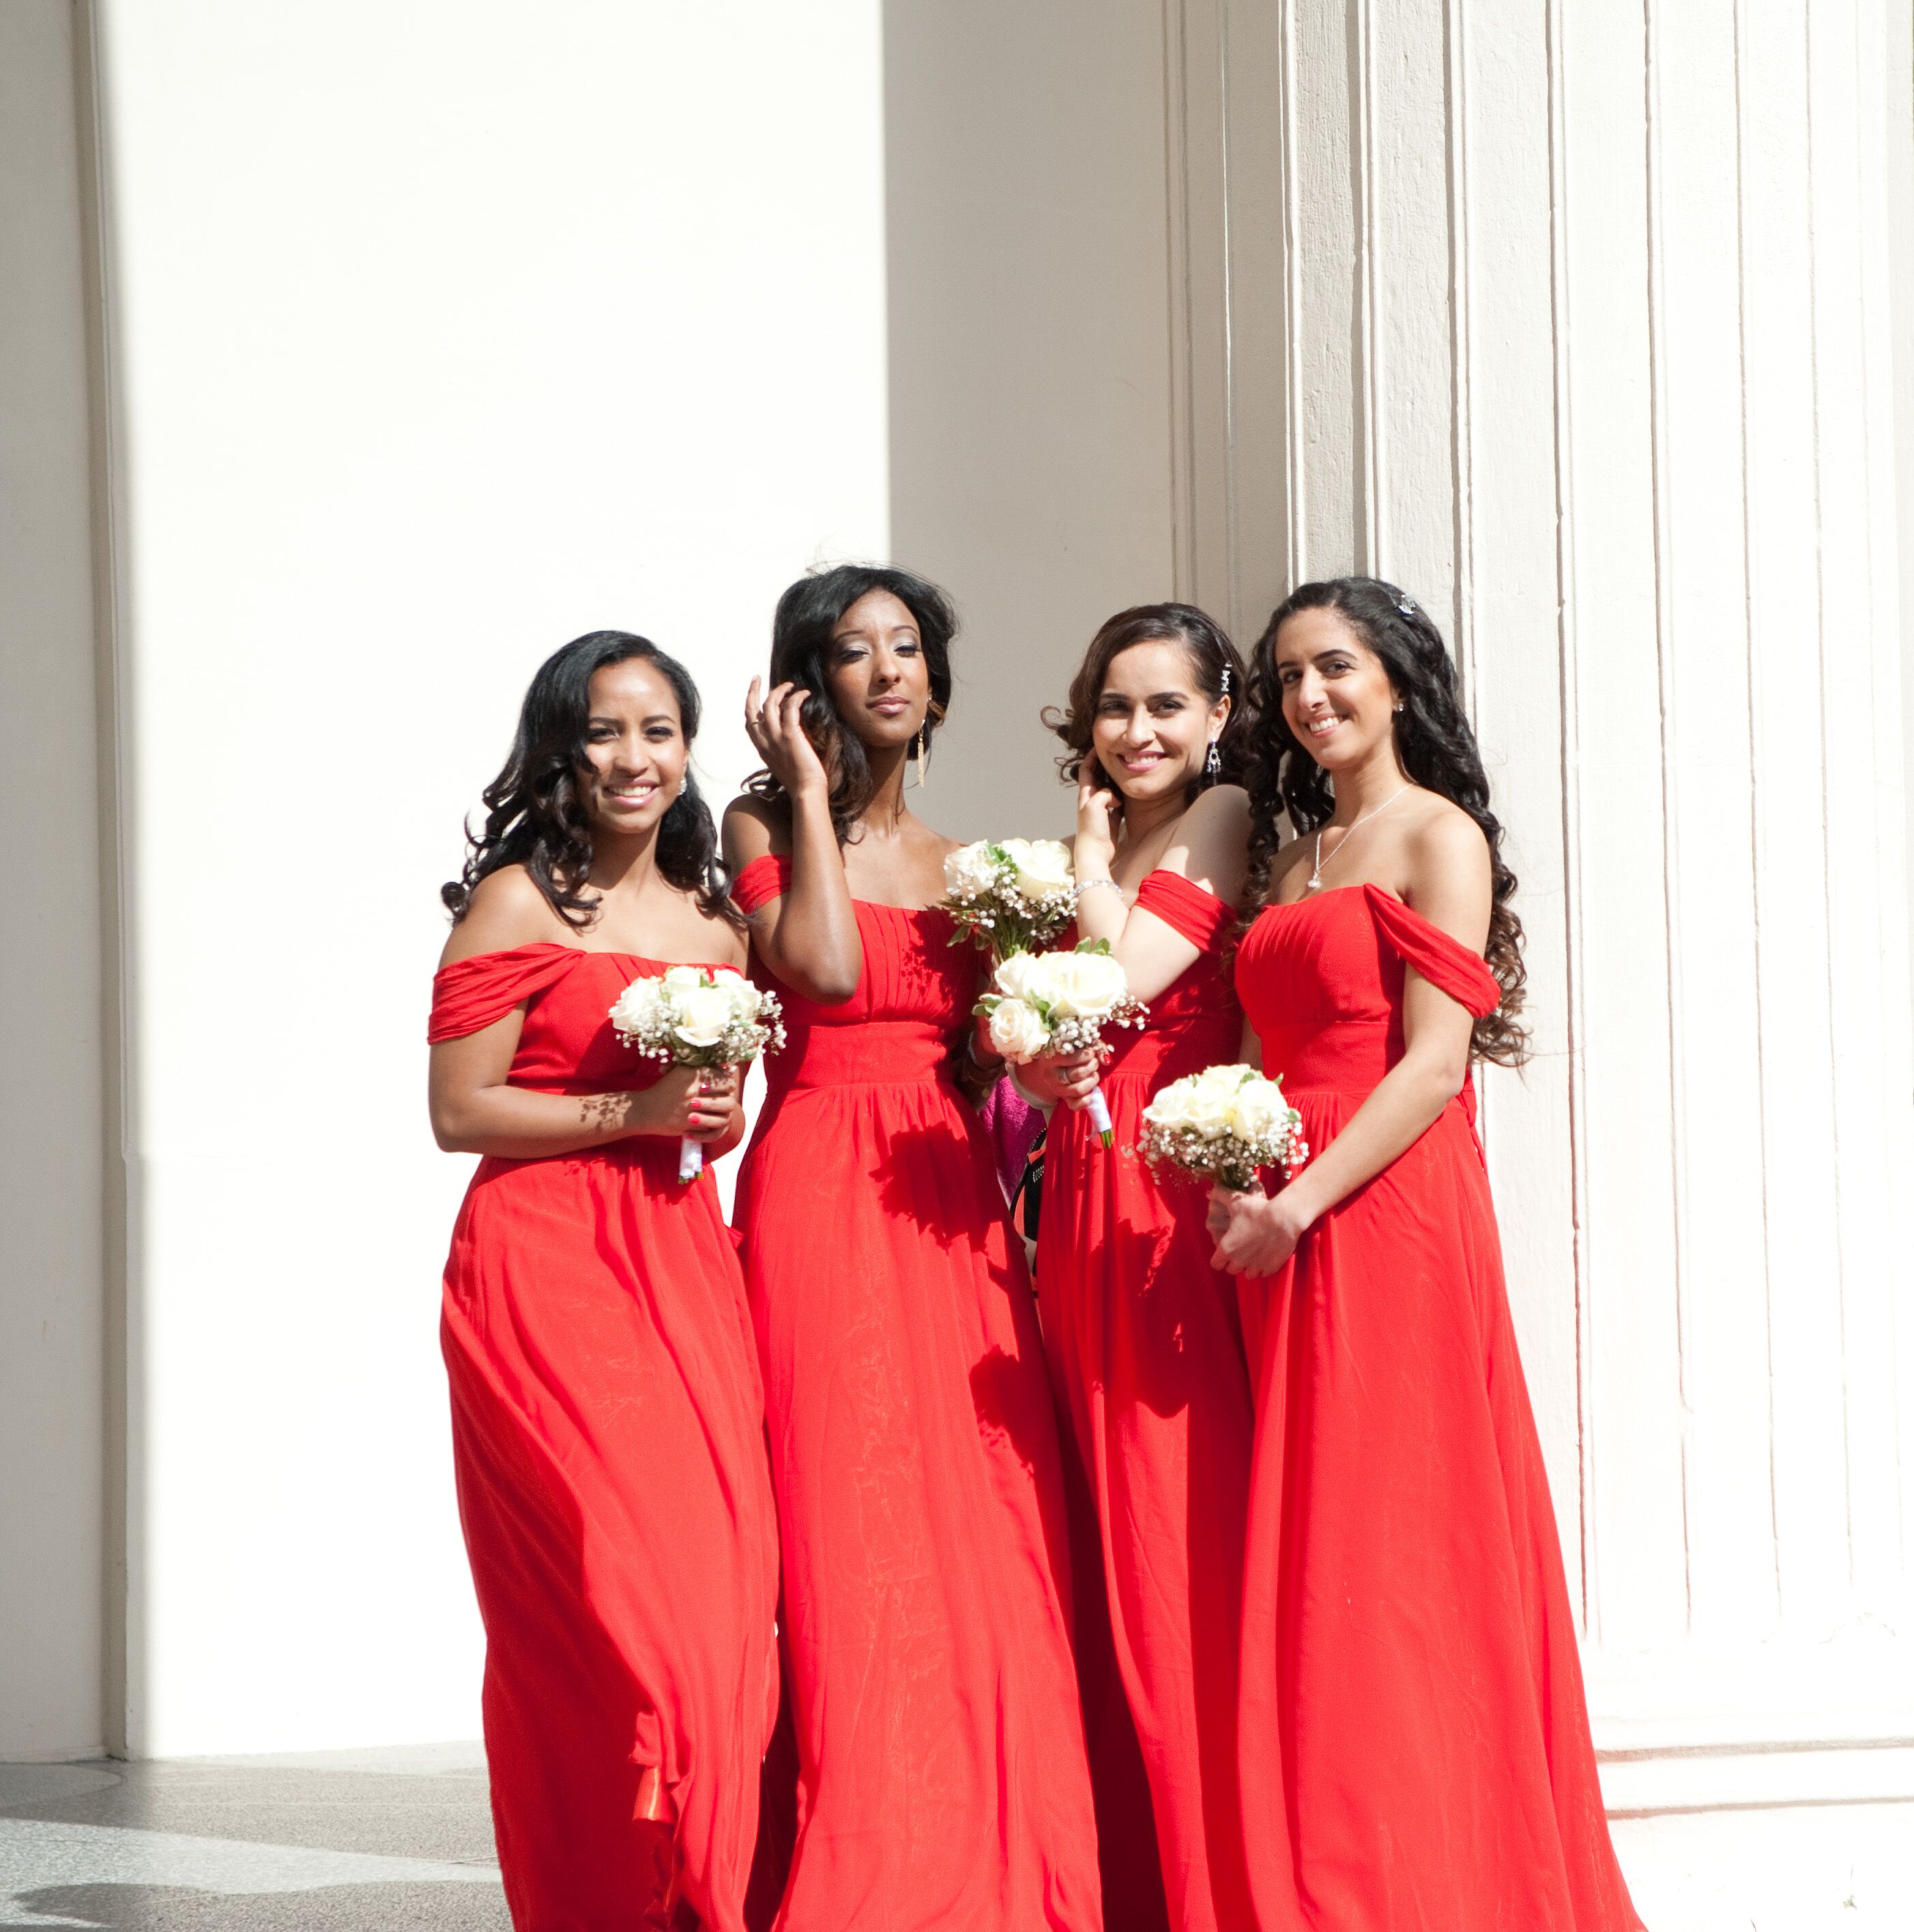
{"x": 758, "y": 883}
{"x": 1199, "y": 916}
{"x": 1444, "y": 961}
{"x": 471, "y": 994}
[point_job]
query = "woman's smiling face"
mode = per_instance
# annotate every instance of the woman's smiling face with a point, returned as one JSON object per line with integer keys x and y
{"x": 635, "y": 754}
{"x": 1336, "y": 696}
{"x": 1153, "y": 725}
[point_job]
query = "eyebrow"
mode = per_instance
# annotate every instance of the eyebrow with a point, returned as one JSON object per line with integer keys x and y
{"x": 656, "y": 718}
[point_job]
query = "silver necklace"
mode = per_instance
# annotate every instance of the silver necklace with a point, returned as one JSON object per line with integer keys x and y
{"x": 1315, "y": 882}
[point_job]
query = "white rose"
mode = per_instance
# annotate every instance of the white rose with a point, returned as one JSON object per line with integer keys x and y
{"x": 681, "y": 979}
{"x": 1086, "y": 985}
{"x": 1260, "y": 1111}
{"x": 704, "y": 1015}
{"x": 744, "y": 997}
{"x": 637, "y": 1007}
{"x": 970, "y": 870}
{"x": 1018, "y": 975}
{"x": 1042, "y": 865}
{"x": 1170, "y": 1109}
{"x": 1211, "y": 1103}
{"x": 1017, "y": 1030}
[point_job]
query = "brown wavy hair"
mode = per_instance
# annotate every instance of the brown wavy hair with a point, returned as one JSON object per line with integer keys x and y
{"x": 807, "y": 614}
{"x": 1214, "y": 662}
{"x": 1433, "y": 740}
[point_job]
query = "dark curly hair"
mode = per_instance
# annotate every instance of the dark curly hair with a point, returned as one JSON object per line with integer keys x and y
{"x": 807, "y": 614}
{"x": 533, "y": 816}
{"x": 1214, "y": 663}
{"x": 1434, "y": 742}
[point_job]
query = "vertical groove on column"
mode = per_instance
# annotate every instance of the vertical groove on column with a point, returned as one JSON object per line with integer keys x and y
{"x": 1835, "y": 1220}
{"x": 1750, "y": 603}
{"x": 1461, "y": 339}
{"x": 1295, "y": 537}
{"x": 1183, "y": 376}
{"x": 1232, "y": 534}
{"x": 1375, "y": 520}
{"x": 1659, "y": 495}
{"x": 1870, "y": 378}
{"x": 1566, "y": 645}
{"x": 1877, "y": 708}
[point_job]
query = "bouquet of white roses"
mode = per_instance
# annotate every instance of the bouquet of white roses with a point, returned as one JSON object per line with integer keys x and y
{"x": 698, "y": 1016}
{"x": 1221, "y": 1125}
{"x": 1010, "y": 895}
{"x": 1044, "y": 1002}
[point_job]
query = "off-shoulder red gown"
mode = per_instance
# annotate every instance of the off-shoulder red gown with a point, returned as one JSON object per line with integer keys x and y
{"x": 607, "y": 1437}
{"x": 943, "y": 1782}
{"x": 1148, "y": 1344}
{"x": 1414, "y": 1741}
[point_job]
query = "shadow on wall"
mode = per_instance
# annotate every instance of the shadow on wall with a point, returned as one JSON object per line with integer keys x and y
{"x": 1029, "y": 360}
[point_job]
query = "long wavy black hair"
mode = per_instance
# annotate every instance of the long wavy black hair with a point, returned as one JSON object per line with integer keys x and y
{"x": 534, "y": 816}
{"x": 807, "y": 614}
{"x": 1434, "y": 742}
{"x": 1214, "y": 663}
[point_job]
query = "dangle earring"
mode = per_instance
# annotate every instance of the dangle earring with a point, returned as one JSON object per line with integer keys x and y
{"x": 1212, "y": 765}
{"x": 923, "y": 753}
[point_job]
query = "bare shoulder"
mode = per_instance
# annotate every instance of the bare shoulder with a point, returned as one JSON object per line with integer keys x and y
{"x": 1448, "y": 880}
{"x": 1443, "y": 842}
{"x": 506, "y": 910}
{"x": 754, "y": 828}
{"x": 1211, "y": 845}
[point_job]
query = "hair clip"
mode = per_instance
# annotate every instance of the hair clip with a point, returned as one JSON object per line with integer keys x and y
{"x": 1226, "y": 681}
{"x": 1407, "y": 605}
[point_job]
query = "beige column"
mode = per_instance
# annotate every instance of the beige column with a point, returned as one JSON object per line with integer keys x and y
{"x": 1573, "y": 318}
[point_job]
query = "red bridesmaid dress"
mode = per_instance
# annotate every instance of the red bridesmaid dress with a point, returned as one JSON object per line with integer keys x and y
{"x": 1415, "y": 1743}
{"x": 941, "y": 1776}
{"x": 1148, "y": 1346}
{"x": 608, "y": 1436}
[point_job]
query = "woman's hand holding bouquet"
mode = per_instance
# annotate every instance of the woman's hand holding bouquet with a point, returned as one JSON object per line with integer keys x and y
{"x": 1043, "y": 1003}
{"x": 698, "y": 1016}
{"x": 1224, "y": 1125}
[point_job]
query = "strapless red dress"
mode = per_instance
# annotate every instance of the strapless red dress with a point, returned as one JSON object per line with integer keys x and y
{"x": 1414, "y": 1739}
{"x": 1148, "y": 1346}
{"x": 943, "y": 1782}
{"x": 608, "y": 1436}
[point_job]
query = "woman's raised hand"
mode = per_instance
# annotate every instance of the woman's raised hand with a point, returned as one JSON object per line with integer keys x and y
{"x": 775, "y": 727}
{"x": 1099, "y": 807}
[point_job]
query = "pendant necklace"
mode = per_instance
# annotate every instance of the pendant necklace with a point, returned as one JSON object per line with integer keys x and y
{"x": 1315, "y": 882}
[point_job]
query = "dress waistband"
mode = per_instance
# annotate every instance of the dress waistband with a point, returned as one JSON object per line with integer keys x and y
{"x": 876, "y": 1053}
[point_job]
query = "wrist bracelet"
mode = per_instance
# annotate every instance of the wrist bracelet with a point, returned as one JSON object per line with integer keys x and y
{"x": 1083, "y": 886}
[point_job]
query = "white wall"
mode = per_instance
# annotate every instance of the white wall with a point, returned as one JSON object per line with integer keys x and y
{"x": 442, "y": 333}
{"x": 1031, "y": 421}
{"x": 52, "y": 1345}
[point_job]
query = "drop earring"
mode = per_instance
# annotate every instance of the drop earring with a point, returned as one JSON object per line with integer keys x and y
{"x": 924, "y": 755}
{"x": 1212, "y": 766}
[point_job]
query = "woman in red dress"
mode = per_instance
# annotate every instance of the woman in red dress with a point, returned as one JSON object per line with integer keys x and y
{"x": 941, "y": 1780}
{"x": 1414, "y": 1741}
{"x": 1142, "y": 1328}
{"x": 607, "y": 1413}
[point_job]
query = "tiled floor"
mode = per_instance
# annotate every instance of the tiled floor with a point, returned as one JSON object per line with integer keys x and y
{"x": 350, "y": 1841}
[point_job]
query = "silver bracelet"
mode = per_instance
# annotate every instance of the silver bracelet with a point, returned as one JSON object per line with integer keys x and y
{"x": 1083, "y": 886}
